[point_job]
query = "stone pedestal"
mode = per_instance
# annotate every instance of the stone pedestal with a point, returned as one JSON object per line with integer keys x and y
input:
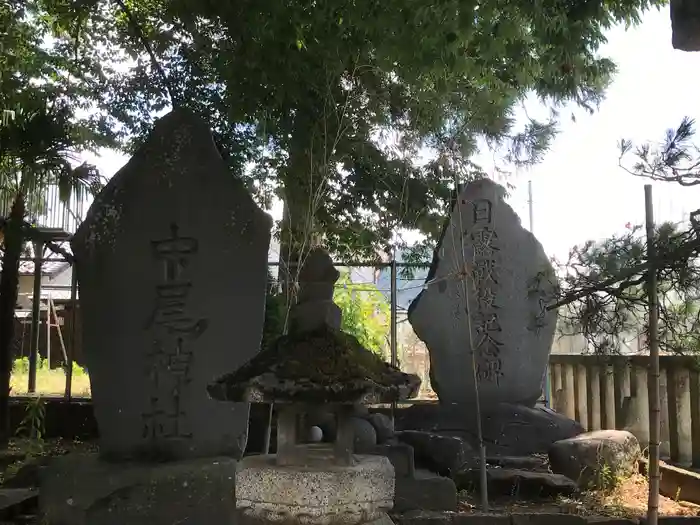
{"x": 315, "y": 494}
{"x": 84, "y": 490}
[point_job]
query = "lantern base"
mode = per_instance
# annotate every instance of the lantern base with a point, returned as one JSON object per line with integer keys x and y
{"x": 314, "y": 495}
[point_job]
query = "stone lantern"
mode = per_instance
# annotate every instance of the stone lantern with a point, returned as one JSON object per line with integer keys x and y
{"x": 315, "y": 365}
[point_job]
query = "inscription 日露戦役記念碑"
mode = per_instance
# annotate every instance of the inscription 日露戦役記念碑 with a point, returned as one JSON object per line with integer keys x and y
{"x": 170, "y": 358}
{"x": 485, "y": 321}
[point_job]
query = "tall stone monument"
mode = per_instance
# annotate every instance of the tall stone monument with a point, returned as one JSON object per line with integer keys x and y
{"x": 172, "y": 268}
{"x": 491, "y": 275}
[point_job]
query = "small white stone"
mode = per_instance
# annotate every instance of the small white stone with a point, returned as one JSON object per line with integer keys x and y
{"x": 315, "y": 434}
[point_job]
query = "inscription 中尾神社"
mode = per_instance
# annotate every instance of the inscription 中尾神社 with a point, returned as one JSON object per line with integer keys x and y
{"x": 485, "y": 320}
{"x": 171, "y": 355}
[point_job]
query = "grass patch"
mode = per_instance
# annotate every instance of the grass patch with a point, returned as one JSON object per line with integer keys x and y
{"x": 23, "y": 453}
{"x": 49, "y": 382}
{"x": 629, "y": 499}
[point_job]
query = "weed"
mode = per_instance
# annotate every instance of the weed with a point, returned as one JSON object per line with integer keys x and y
{"x": 33, "y": 424}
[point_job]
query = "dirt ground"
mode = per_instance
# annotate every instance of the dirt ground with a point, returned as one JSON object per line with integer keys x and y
{"x": 628, "y": 500}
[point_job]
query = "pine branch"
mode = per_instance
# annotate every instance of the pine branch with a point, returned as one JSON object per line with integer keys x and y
{"x": 623, "y": 279}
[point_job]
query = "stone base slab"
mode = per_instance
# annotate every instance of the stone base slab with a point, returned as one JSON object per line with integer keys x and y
{"x": 81, "y": 489}
{"x": 319, "y": 495}
{"x": 425, "y": 491}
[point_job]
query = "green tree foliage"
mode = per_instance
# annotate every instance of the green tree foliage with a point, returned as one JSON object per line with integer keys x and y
{"x": 44, "y": 88}
{"x": 603, "y": 292}
{"x": 300, "y": 94}
{"x": 365, "y": 313}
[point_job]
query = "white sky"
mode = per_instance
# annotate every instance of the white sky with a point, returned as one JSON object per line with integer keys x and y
{"x": 579, "y": 192}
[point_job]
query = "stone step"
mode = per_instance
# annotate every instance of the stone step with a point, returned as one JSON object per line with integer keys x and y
{"x": 517, "y": 483}
{"x": 16, "y": 502}
{"x": 519, "y": 462}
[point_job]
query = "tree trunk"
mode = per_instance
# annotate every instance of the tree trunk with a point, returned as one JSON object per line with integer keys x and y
{"x": 297, "y": 231}
{"x": 9, "y": 283}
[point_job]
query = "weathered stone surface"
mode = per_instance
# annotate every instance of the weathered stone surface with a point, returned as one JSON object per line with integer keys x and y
{"x": 17, "y": 502}
{"x": 422, "y": 517}
{"x": 364, "y": 436}
{"x": 517, "y": 483}
{"x": 425, "y": 491}
{"x": 596, "y": 459}
{"x": 360, "y": 410}
{"x": 534, "y": 463}
{"x": 616, "y": 521}
{"x": 28, "y": 475}
{"x": 317, "y": 277}
{"x": 172, "y": 266}
{"x": 685, "y": 25}
{"x": 444, "y": 455}
{"x": 383, "y": 425}
{"x": 312, "y": 316}
{"x": 476, "y": 518}
{"x": 324, "y": 366}
{"x": 512, "y": 332}
{"x": 84, "y": 490}
{"x": 508, "y": 430}
{"x": 537, "y": 518}
{"x": 316, "y": 363}
{"x": 383, "y": 520}
{"x": 315, "y": 496}
{"x": 401, "y": 457}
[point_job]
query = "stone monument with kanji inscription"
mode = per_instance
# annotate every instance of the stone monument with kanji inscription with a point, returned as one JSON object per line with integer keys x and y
{"x": 482, "y": 313}
{"x": 172, "y": 268}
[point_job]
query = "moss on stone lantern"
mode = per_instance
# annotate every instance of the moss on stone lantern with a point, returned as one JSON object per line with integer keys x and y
{"x": 315, "y": 364}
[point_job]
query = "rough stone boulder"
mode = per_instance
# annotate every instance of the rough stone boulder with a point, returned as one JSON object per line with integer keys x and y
{"x": 444, "y": 455}
{"x": 508, "y": 430}
{"x": 425, "y": 491}
{"x": 533, "y": 463}
{"x": 596, "y": 459}
{"x": 517, "y": 483}
{"x": 383, "y": 425}
{"x": 365, "y": 436}
{"x": 502, "y": 300}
